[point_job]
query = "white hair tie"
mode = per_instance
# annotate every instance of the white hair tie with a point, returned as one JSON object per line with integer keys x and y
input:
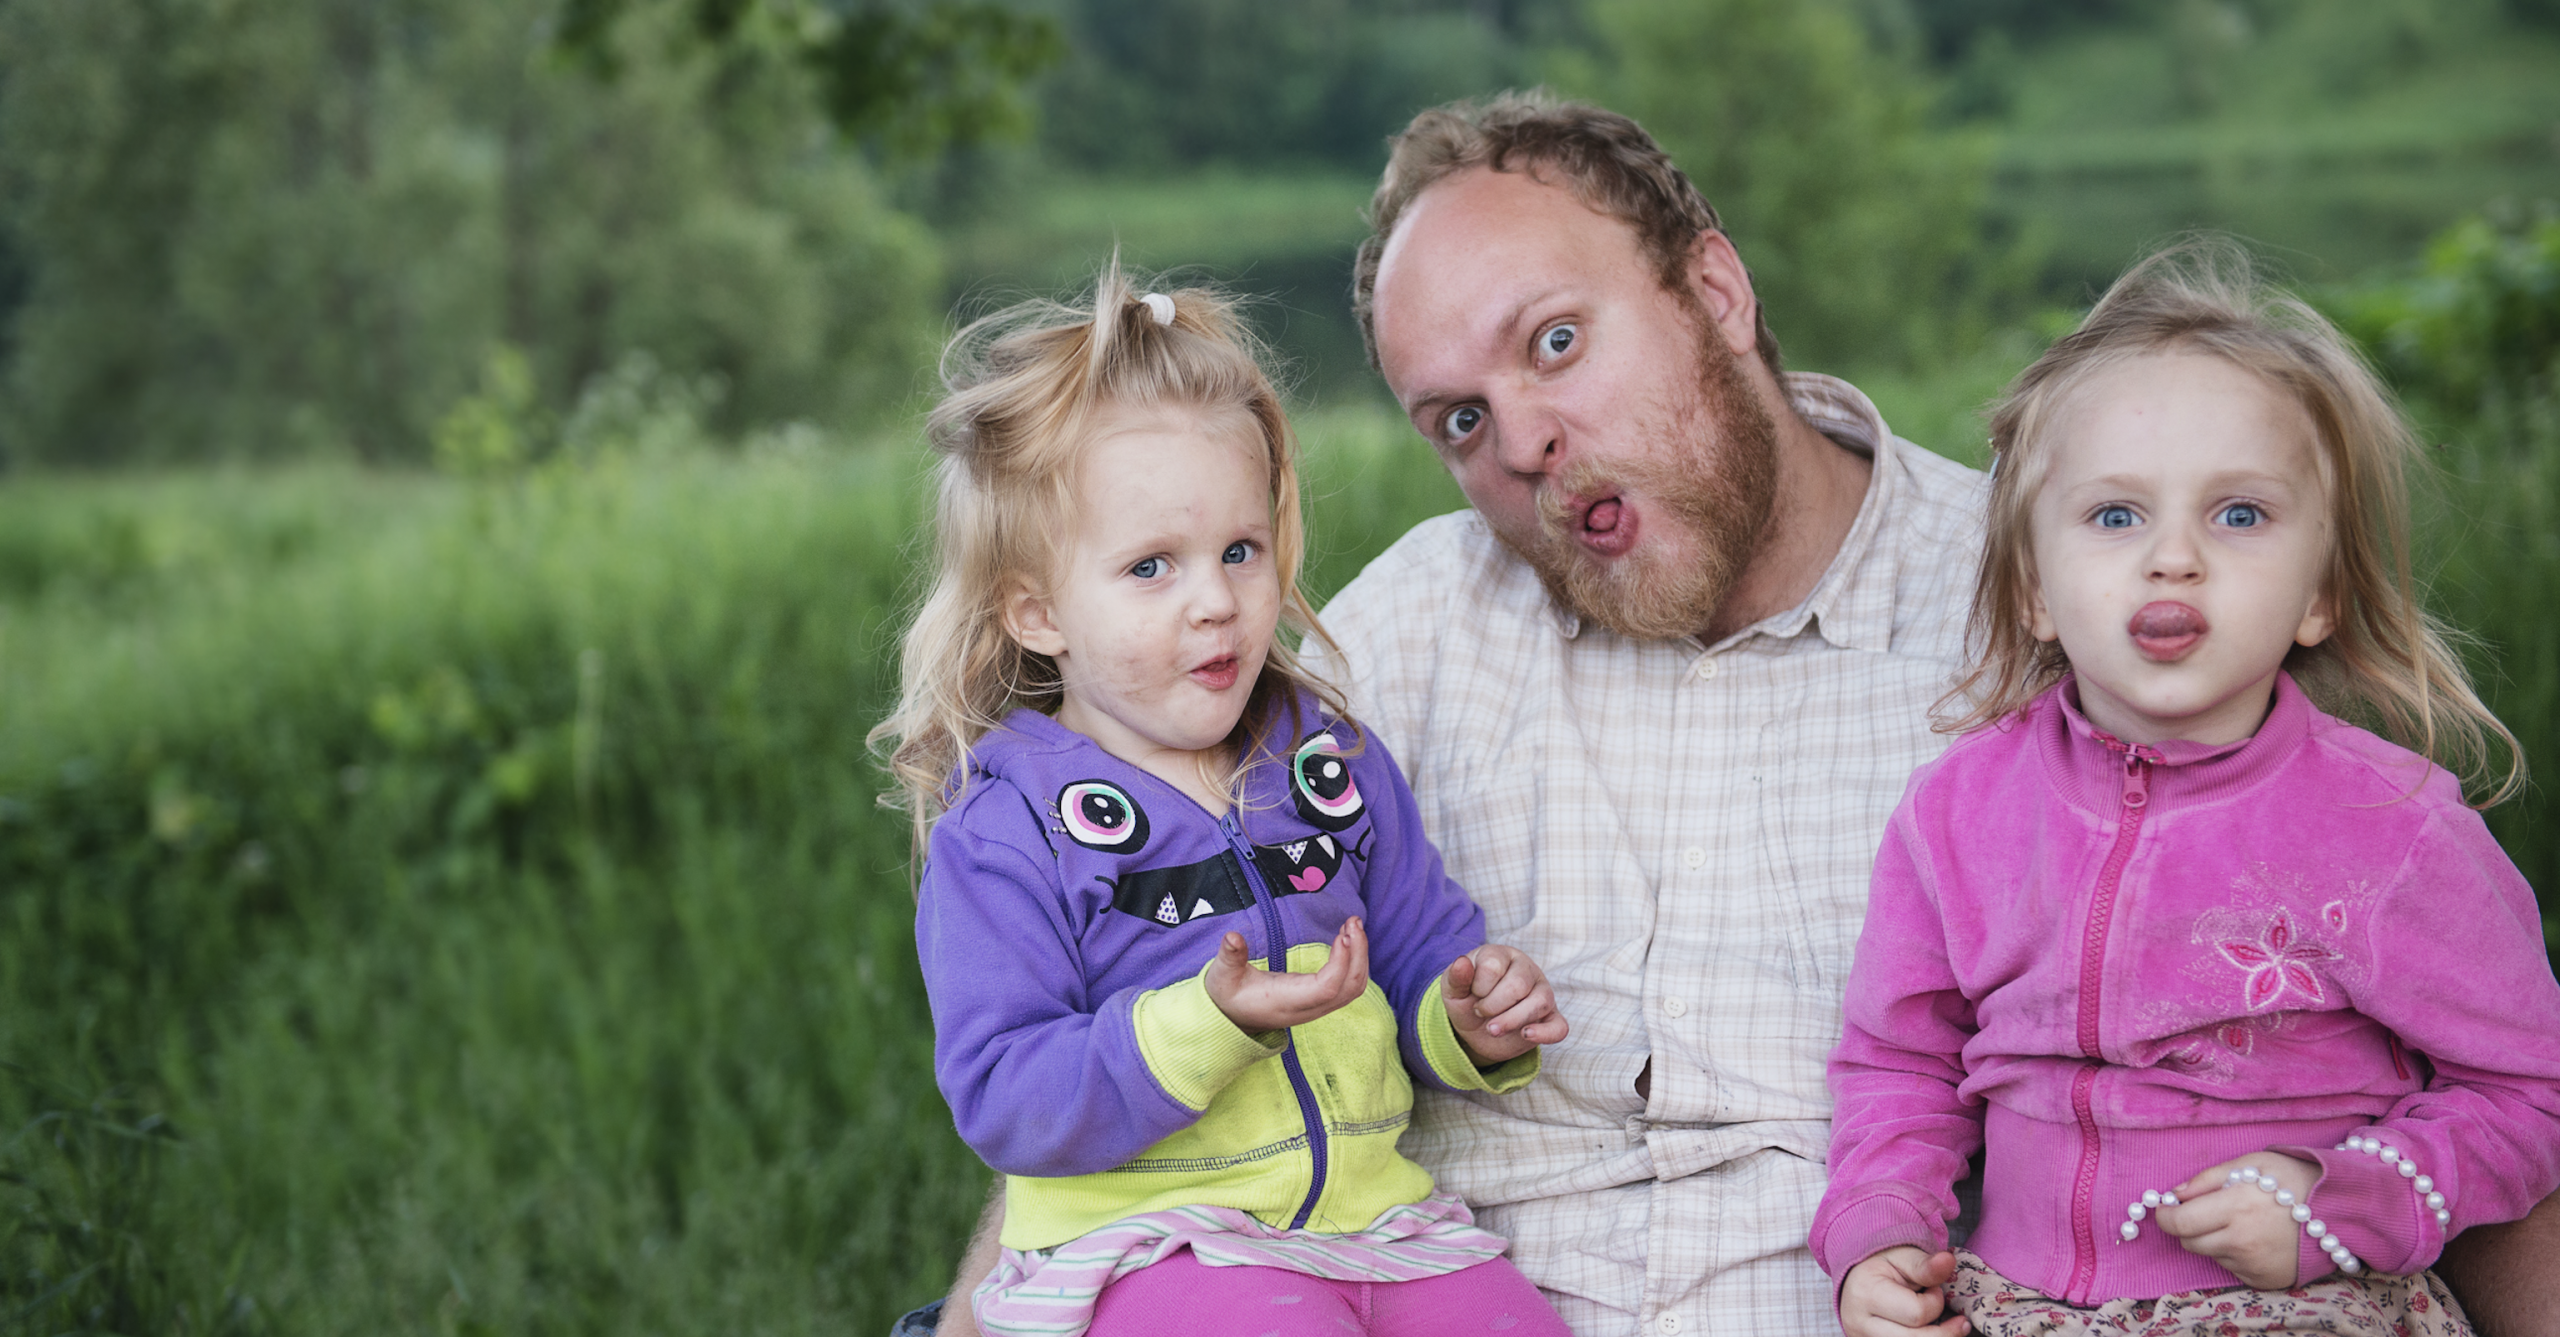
{"x": 1160, "y": 306}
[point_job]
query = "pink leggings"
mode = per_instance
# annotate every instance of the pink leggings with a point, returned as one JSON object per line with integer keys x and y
{"x": 1184, "y": 1297}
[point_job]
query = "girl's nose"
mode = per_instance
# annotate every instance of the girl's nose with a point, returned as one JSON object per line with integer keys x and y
{"x": 2176, "y": 557}
{"x": 1215, "y": 598}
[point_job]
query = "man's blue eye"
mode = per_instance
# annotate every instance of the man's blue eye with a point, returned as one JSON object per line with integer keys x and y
{"x": 2115, "y": 517}
{"x": 1557, "y": 341}
{"x": 1148, "y": 568}
{"x": 2242, "y": 515}
{"x": 1464, "y": 421}
{"x": 1238, "y": 552}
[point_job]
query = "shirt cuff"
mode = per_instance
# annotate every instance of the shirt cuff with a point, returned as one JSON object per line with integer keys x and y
{"x": 1449, "y": 1058}
{"x": 1191, "y": 1047}
{"x": 2369, "y": 1208}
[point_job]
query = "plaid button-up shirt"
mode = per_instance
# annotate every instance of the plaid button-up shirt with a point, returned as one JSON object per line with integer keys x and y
{"x": 1681, "y": 834}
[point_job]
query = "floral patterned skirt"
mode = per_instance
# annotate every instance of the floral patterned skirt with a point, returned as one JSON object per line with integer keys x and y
{"x": 2372, "y": 1305}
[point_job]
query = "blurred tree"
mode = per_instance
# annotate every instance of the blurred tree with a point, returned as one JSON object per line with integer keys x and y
{"x": 1865, "y": 230}
{"x": 292, "y": 226}
{"x": 913, "y": 77}
{"x": 1151, "y": 84}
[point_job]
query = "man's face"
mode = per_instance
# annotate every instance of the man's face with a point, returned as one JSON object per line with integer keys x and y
{"x": 1600, "y": 422}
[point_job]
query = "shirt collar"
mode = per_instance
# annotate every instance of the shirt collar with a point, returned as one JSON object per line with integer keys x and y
{"x": 1852, "y": 605}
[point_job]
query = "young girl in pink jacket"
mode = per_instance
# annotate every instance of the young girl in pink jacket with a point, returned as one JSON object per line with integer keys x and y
{"x": 2243, "y": 1008}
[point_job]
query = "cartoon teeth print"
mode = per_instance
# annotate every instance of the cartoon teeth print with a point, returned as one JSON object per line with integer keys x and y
{"x": 1320, "y": 781}
{"x": 1300, "y": 865}
{"x": 1182, "y": 893}
{"x": 1099, "y": 816}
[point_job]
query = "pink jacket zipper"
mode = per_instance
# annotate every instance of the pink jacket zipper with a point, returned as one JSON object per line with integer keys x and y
{"x": 2093, "y": 957}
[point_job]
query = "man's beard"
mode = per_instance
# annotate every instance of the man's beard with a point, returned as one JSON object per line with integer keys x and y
{"x": 1711, "y": 469}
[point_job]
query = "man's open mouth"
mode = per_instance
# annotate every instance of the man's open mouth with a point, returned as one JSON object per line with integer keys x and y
{"x": 1608, "y": 527}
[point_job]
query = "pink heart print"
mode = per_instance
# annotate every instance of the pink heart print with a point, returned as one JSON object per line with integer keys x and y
{"x": 1307, "y": 879}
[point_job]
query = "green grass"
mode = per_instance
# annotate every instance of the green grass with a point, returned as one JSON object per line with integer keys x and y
{"x": 443, "y": 907}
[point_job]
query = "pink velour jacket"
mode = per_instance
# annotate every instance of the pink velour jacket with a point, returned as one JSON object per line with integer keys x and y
{"x": 2111, "y": 967}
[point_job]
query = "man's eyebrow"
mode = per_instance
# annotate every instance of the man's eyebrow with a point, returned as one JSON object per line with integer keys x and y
{"x": 1502, "y": 332}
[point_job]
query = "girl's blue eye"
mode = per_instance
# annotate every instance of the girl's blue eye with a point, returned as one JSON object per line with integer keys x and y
{"x": 1148, "y": 568}
{"x": 1238, "y": 552}
{"x": 1558, "y": 341}
{"x": 2115, "y": 517}
{"x": 1463, "y": 421}
{"x": 2242, "y": 515}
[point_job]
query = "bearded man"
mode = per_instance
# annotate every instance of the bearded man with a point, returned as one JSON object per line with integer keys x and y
{"x": 1657, "y": 692}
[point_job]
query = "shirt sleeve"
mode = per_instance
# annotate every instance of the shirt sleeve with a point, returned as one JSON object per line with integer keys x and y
{"x": 2460, "y": 975}
{"x": 1042, "y": 1078}
{"x": 1901, "y": 1134}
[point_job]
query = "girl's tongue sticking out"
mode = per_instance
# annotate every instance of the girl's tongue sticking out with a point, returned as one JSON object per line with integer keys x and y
{"x": 2165, "y": 630}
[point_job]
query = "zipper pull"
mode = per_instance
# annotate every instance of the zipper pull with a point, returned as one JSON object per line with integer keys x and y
{"x": 2137, "y": 779}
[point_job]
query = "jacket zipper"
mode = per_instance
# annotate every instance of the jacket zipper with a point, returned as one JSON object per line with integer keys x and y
{"x": 2136, "y": 799}
{"x": 1278, "y": 955}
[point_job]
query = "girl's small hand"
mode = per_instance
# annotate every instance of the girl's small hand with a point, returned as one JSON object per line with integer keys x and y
{"x": 1900, "y": 1292}
{"x": 1259, "y": 1000}
{"x": 1500, "y": 1004}
{"x": 2241, "y": 1226}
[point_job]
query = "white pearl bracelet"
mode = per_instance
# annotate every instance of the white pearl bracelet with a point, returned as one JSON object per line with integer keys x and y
{"x": 2248, "y": 1174}
{"x": 2425, "y": 1185}
{"x": 2312, "y": 1226}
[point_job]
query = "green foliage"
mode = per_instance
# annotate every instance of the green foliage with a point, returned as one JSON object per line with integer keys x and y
{"x": 297, "y": 227}
{"x": 1864, "y": 230}
{"x": 2477, "y": 329}
{"x": 1161, "y": 84}
{"x": 916, "y": 78}
{"x": 460, "y": 904}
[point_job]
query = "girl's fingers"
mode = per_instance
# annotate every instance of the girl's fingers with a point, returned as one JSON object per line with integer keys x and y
{"x": 1458, "y": 982}
{"x": 1539, "y": 1005}
{"x": 1491, "y": 967}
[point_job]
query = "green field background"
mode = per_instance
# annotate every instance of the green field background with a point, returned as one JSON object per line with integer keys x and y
{"x": 442, "y": 882}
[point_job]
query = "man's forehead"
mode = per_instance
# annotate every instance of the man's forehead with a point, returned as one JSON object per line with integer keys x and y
{"x": 1473, "y": 251}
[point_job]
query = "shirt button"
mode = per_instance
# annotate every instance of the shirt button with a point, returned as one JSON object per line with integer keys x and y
{"x": 1670, "y": 1323}
{"x": 1694, "y": 857}
{"x": 1674, "y": 1007}
{"x": 1706, "y": 672}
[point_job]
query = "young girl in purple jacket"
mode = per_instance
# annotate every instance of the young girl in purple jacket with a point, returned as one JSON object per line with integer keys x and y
{"x": 1186, "y": 945}
{"x": 2241, "y": 1005}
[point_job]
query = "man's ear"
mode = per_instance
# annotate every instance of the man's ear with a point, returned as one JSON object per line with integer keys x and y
{"x": 1027, "y": 621}
{"x": 1723, "y": 287}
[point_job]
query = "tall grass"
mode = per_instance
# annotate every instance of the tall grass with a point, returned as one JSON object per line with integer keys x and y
{"x": 444, "y": 907}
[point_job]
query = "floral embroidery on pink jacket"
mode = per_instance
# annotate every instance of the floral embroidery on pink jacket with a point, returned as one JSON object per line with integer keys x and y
{"x": 2109, "y": 968}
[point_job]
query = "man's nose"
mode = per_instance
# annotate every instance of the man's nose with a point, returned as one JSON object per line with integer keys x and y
{"x": 1528, "y": 439}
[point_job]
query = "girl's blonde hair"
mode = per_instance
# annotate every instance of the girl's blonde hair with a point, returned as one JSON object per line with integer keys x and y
{"x": 2388, "y": 663}
{"x": 1027, "y": 387}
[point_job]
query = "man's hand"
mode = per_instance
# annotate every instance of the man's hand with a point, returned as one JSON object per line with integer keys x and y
{"x": 1900, "y": 1292}
{"x": 1500, "y": 1004}
{"x": 2242, "y": 1226}
{"x": 1258, "y": 1000}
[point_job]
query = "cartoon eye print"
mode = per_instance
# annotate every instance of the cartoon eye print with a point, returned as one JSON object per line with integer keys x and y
{"x": 1101, "y": 817}
{"x": 1320, "y": 780}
